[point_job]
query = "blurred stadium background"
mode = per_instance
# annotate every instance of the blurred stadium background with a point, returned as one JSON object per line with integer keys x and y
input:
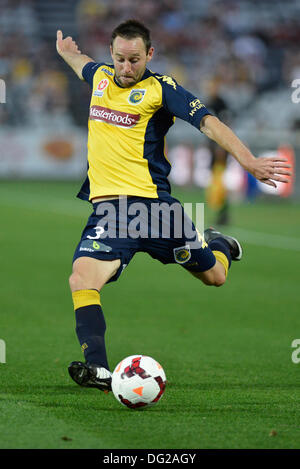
{"x": 248, "y": 50}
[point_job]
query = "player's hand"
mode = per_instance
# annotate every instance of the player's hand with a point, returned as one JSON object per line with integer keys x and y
{"x": 270, "y": 169}
{"x": 66, "y": 46}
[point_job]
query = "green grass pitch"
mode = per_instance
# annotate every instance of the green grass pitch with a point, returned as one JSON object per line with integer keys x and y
{"x": 226, "y": 351}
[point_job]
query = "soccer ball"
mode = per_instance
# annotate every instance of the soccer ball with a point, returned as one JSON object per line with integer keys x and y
{"x": 138, "y": 381}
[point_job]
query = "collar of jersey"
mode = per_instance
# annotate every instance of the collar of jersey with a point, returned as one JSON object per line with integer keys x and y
{"x": 146, "y": 75}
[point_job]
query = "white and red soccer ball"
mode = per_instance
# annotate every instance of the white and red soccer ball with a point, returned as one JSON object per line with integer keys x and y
{"x": 138, "y": 381}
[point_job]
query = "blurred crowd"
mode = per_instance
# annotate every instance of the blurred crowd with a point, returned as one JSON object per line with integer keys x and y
{"x": 240, "y": 50}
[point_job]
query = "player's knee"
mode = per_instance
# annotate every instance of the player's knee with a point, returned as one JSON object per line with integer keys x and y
{"x": 217, "y": 276}
{"x": 215, "y": 283}
{"x": 213, "y": 278}
{"x": 80, "y": 280}
{"x": 76, "y": 281}
{"x": 92, "y": 274}
{"x": 219, "y": 280}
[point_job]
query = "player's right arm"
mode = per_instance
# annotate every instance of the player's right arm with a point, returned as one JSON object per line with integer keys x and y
{"x": 68, "y": 50}
{"x": 181, "y": 103}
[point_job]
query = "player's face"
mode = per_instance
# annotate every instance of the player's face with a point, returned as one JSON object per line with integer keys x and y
{"x": 130, "y": 60}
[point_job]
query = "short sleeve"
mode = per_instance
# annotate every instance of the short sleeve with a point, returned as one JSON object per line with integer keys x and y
{"x": 181, "y": 103}
{"x": 89, "y": 71}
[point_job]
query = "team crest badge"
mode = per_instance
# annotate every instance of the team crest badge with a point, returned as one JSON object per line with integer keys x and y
{"x": 136, "y": 96}
{"x": 182, "y": 254}
{"x": 102, "y": 85}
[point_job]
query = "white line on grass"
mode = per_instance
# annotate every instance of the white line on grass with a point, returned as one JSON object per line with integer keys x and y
{"x": 258, "y": 238}
{"x": 57, "y": 206}
{"x": 47, "y": 204}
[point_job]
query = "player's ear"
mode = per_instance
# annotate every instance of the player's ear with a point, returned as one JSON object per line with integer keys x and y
{"x": 111, "y": 50}
{"x": 150, "y": 54}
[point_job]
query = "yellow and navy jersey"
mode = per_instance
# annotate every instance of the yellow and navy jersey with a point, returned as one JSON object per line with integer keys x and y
{"x": 127, "y": 129}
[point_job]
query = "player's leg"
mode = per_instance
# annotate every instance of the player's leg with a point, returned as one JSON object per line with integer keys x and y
{"x": 225, "y": 249}
{"x": 208, "y": 258}
{"x": 89, "y": 275}
{"x": 216, "y": 276}
{"x": 99, "y": 258}
{"x": 92, "y": 273}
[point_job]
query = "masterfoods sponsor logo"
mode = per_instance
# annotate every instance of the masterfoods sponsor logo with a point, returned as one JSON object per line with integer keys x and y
{"x": 110, "y": 116}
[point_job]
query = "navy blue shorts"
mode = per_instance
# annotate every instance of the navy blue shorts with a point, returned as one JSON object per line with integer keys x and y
{"x": 119, "y": 228}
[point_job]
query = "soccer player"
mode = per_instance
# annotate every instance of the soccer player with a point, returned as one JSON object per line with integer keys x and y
{"x": 216, "y": 192}
{"x": 131, "y": 110}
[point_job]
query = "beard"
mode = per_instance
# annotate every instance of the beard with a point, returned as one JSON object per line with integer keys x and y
{"x": 127, "y": 82}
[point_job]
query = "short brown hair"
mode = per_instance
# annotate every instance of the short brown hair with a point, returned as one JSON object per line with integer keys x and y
{"x": 131, "y": 29}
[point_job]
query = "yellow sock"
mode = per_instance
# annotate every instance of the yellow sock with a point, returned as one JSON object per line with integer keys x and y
{"x": 90, "y": 326}
{"x": 83, "y": 298}
{"x": 220, "y": 256}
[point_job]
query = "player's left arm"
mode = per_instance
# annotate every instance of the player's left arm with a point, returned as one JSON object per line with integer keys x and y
{"x": 265, "y": 169}
{"x": 68, "y": 50}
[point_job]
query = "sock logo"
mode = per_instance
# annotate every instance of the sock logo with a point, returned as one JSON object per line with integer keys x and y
{"x": 84, "y": 347}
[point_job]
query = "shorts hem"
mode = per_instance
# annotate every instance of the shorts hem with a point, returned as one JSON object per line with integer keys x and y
{"x": 102, "y": 256}
{"x": 199, "y": 268}
{"x": 107, "y": 257}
